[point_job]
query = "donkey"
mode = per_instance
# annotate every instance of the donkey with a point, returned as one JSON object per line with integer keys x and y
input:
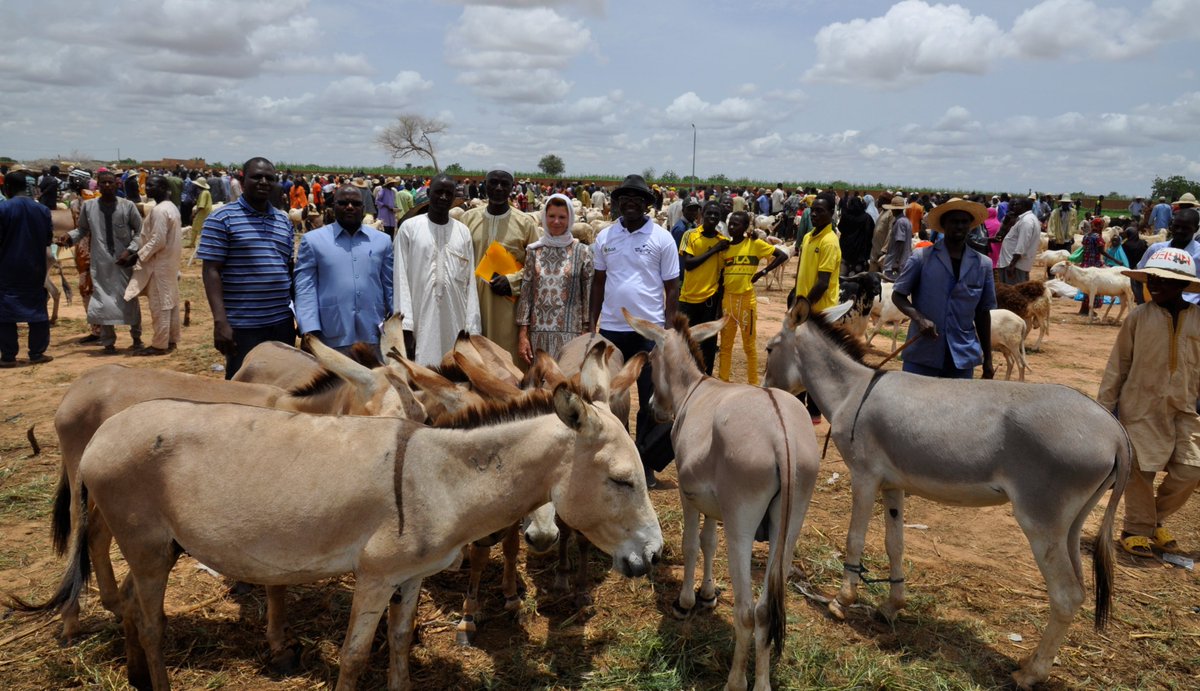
{"x": 746, "y": 456}
{"x": 174, "y": 476}
{"x": 542, "y": 530}
{"x": 340, "y": 386}
{"x": 1048, "y": 449}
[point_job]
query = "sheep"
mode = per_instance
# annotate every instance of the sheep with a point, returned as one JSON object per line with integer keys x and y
{"x": 1044, "y": 242}
{"x": 1008, "y": 338}
{"x": 765, "y": 222}
{"x": 1031, "y": 301}
{"x": 885, "y": 311}
{"x": 1052, "y": 257}
{"x": 457, "y": 213}
{"x": 1061, "y": 289}
{"x": 583, "y": 232}
{"x": 1097, "y": 281}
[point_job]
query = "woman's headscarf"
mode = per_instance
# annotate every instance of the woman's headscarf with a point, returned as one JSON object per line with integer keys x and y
{"x": 548, "y": 240}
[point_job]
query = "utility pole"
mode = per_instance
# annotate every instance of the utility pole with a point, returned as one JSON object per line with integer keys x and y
{"x": 693, "y": 158}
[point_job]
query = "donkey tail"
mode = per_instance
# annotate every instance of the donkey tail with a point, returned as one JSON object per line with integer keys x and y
{"x": 1102, "y": 548}
{"x": 60, "y": 519}
{"x": 780, "y": 553}
{"x": 76, "y": 576}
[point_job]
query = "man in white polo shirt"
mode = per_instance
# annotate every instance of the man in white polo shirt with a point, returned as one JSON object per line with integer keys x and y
{"x": 637, "y": 268}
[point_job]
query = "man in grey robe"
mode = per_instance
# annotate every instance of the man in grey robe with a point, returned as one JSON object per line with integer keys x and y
{"x": 114, "y": 224}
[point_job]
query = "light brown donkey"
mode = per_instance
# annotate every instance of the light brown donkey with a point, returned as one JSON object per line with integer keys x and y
{"x": 746, "y": 456}
{"x": 274, "y": 497}
{"x": 339, "y": 386}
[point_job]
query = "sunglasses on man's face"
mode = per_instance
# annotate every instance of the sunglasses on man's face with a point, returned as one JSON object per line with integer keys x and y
{"x": 348, "y": 202}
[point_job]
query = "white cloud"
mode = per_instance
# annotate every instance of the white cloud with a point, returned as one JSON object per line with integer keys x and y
{"x": 516, "y": 55}
{"x": 1082, "y": 30}
{"x": 689, "y": 107}
{"x": 915, "y": 39}
{"x": 911, "y": 41}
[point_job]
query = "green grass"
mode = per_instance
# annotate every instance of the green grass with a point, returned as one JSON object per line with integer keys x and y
{"x": 28, "y": 500}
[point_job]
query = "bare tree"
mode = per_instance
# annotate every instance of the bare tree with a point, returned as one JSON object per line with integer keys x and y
{"x": 411, "y": 134}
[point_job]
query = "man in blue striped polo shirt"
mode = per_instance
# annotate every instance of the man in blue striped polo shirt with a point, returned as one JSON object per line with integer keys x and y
{"x": 246, "y": 247}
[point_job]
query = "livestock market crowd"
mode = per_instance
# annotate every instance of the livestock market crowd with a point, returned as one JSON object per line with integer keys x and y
{"x": 531, "y": 267}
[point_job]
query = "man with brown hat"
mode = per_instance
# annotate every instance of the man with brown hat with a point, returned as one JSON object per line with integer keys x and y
{"x": 1152, "y": 384}
{"x": 948, "y": 292}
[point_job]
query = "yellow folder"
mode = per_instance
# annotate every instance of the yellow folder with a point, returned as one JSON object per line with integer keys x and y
{"x": 497, "y": 260}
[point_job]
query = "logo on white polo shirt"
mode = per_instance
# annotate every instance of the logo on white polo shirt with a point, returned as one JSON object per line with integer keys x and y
{"x": 645, "y": 249}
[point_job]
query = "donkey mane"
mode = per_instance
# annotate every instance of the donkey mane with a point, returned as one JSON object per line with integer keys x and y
{"x": 682, "y": 328}
{"x": 364, "y": 354}
{"x": 452, "y": 372}
{"x": 320, "y": 383}
{"x": 533, "y": 403}
{"x": 842, "y": 338}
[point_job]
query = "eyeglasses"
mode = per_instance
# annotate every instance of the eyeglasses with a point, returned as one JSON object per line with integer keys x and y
{"x": 348, "y": 202}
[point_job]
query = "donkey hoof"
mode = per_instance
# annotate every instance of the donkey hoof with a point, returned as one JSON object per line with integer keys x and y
{"x": 836, "y": 609}
{"x": 890, "y": 611}
{"x": 513, "y": 604}
{"x": 463, "y": 638}
{"x": 1026, "y": 680}
{"x": 707, "y": 603}
{"x": 286, "y": 662}
{"x": 679, "y": 611}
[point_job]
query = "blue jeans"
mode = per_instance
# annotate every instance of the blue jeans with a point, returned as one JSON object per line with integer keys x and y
{"x": 946, "y": 371}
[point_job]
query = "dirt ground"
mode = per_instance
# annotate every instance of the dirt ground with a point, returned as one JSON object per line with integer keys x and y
{"x": 977, "y": 602}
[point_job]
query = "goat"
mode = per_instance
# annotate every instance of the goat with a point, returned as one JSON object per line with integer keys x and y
{"x": 1030, "y": 301}
{"x": 863, "y": 289}
{"x": 1097, "y": 281}
{"x": 1008, "y": 338}
{"x": 886, "y": 312}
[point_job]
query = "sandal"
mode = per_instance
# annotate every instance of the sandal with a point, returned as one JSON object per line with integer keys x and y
{"x": 1164, "y": 540}
{"x": 1137, "y": 545}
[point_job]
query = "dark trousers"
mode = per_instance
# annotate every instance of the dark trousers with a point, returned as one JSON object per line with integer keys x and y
{"x": 653, "y": 439}
{"x": 185, "y": 212}
{"x": 39, "y": 340}
{"x": 245, "y": 340}
{"x": 698, "y": 313}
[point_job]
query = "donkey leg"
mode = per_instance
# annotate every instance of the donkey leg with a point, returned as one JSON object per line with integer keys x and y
{"x": 862, "y": 500}
{"x": 893, "y": 520}
{"x": 99, "y": 544}
{"x": 400, "y": 633}
{"x": 1066, "y": 596}
{"x": 136, "y": 669}
{"x": 371, "y": 596}
{"x": 582, "y": 597}
{"x": 466, "y": 625}
{"x": 149, "y": 577}
{"x": 739, "y": 549}
{"x": 691, "y": 545}
{"x": 708, "y": 546}
{"x": 284, "y": 659}
{"x": 509, "y": 585}
{"x": 561, "y": 582}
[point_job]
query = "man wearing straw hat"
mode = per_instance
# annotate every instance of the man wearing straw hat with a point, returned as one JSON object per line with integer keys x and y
{"x": 898, "y": 244}
{"x": 1061, "y": 225}
{"x": 948, "y": 292}
{"x": 1152, "y": 384}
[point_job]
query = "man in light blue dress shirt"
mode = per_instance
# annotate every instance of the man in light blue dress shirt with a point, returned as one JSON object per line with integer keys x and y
{"x": 344, "y": 277}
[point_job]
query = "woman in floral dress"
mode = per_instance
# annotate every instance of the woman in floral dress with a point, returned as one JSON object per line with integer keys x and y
{"x": 556, "y": 286}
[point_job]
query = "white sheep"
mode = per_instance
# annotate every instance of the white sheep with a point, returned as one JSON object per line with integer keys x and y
{"x": 1008, "y": 338}
{"x": 885, "y": 311}
{"x": 1095, "y": 281}
{"x": 1052, "y": 257}
{"x": 457, "y": 213}
{"x": 765, "y": 222}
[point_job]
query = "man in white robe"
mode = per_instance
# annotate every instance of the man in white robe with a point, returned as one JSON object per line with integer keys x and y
{"x": 157, "y": 270}
{"x": 434, "y": 278}
{"x": 114, "y": 225}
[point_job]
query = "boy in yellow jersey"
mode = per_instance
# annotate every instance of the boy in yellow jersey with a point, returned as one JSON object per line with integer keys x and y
{"x": 740, "y": 303}
{"x": 700, "y": 256}
{"x": 820, "y": 262}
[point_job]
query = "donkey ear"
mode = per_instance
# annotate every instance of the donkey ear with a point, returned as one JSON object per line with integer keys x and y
{"x": 647, "y": 330}
{"x": 393, "y": 335}
{"x": 628, "y": 374}
{"x": 707, "y": 330}
{"x": 799, "y": 313}
{"x": 570, "y": 408}
{"x": 413, "y": 409}
{"x": 483, "y": 381}
{"x": 357, "y": 375}
{"x": 551, "y": 374}
{"x": 594, "y": 377}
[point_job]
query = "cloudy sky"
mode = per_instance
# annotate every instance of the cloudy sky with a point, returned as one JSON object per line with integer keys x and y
{"x": 1059, "y": 95}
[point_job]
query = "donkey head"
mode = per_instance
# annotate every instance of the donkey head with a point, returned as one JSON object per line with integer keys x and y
{"x": 674, "y": 359}
{"x": 783, "y": 350}
{"x": 603, "y": 494}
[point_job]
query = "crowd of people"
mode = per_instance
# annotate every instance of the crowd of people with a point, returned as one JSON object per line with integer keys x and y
{"x": 526, "y": 282}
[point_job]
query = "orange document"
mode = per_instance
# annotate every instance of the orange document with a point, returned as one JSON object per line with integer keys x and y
{"x": 497, "y": 260}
